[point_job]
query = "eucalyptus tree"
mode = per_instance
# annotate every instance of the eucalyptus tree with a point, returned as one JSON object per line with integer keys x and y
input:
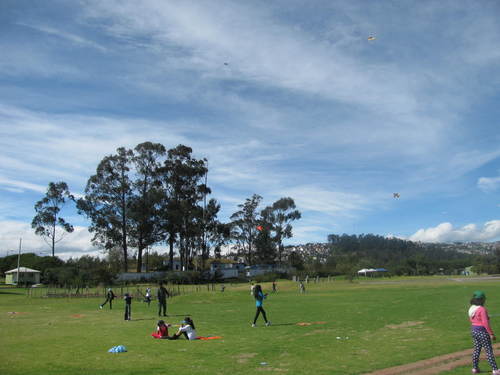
{"x": 108, "y": 200}
{"x": 146, "y": 198}
{"x": 244, "y": 224}
{"x": 281, "y": 214}
{"x": 215, "y": 233}
{"x": 47, "y": 222}
{"x": 184, "y": 192}
{"x": 265, "y": 242}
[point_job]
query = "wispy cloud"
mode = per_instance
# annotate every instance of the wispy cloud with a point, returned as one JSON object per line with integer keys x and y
{"x": 73, "y": 38}
{"x": 488, "y": 184}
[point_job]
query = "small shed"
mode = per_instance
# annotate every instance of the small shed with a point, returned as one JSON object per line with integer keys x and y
{"x": 26, "y": 276}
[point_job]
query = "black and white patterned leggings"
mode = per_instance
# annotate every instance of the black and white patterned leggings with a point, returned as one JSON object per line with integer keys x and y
{"x": 482, "y": 339}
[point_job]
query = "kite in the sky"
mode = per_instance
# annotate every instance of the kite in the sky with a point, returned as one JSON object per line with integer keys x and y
{"x": 259, "y": 228}
{"x": 395, "y": 195}
{"x": 226, "y": 64}
{"x": 371, "y": 38}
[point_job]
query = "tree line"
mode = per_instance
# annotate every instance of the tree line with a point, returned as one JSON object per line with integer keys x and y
{"x": 346, "y": 254}
{"x": 147, "y": 196}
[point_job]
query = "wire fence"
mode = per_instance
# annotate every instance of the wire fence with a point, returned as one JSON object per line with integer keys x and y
{"x": 119, "y": 290}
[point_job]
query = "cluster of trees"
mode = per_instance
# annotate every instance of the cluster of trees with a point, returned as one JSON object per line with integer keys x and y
{"x": 146, "y": 196}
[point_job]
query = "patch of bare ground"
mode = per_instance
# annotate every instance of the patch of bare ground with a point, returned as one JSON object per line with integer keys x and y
{"x": 244, "y": 357}
{"x": 404, "y": 325}
{"x": 431, "y": 366}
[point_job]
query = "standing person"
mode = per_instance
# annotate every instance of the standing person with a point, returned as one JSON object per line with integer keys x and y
{"x": 110, "y": 296}
{"x": 252, "y": 287}
{"x": 128, "y": 306}
{"x": 275, "y": 289}
{"x": 162, "y": 295}
{"x": 147, "y": 297}
{"x": 481, "y": 332}
{"x": 222, "y": 288}
{"x": 302, "y": 287}
{"x": 259, "y": 298}
{"x": 187, "y": 329}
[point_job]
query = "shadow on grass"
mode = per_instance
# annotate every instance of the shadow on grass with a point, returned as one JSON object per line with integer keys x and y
{"x": 12, "y": 292}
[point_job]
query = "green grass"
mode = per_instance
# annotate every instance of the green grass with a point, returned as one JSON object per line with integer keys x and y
{"x": 387, "y": 324}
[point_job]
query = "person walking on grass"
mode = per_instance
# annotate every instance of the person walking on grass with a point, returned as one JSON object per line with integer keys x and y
{"x": 162, "y": 295}
{"x": 147, "y": 297}
{"x": 482, "y": 334}
{"x": 128, "y": 306}
{"x": 110, "y": 296}
{"x": 259, "y": 298}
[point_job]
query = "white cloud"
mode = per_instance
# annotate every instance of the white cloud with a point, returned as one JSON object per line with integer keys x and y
{"x": 73, "y": 244}
{"x": 445, "y": 232}
{"x": 488, "y": 184}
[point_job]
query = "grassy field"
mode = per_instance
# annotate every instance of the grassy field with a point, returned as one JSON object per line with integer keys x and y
{"x": 363, "y": 327}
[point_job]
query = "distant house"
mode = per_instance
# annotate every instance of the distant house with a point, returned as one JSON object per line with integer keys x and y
{"x": 261, "y": 269}
{"x": 227, "y": 270}
{"x": 177, "y": 264}
{"x": 26, "y": 276}
{"x": 371, "y": 271}
{"x": 134, "y": 276}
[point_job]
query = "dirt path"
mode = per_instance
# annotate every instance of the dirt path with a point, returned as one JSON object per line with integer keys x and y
{"x": 432, "y": 366}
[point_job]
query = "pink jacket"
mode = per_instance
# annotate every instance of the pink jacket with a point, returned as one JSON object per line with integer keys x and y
{"x": 478, "y": 316}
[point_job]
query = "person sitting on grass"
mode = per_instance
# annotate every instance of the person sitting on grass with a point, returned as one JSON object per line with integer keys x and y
{"x": 259, "y": 298}
{"x": 481, "y": 332}
{"x": 187, "y": 329}
{"x": 161, "y": 330}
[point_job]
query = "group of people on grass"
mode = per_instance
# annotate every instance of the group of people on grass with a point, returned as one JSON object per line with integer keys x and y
{"x": 187, "y": 327}
{"x": 481, "y": 332}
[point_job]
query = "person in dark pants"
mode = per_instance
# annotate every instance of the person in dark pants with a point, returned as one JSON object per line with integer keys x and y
{"x": 482, "y": 334}
{"x": 110, "y": 296}
{"x": 128, "y": 306}
{"x": 259, "y": 298}
{"x": 187, "y": 329}
{"x": 162, "y": 295}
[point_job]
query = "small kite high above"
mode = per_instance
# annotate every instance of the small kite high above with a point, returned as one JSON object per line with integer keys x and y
{"x": 395, "y": 195}
{"x": 371, "y": 38}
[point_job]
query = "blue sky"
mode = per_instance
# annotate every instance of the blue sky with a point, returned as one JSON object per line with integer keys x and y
{"x": 284, "y": 98}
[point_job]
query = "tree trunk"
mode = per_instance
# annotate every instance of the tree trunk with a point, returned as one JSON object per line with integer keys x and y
{"x": 171, "y": 253}
{"x": 53, "y": 239}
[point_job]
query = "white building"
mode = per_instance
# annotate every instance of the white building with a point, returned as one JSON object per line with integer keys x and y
{"x": 26, "y": 276}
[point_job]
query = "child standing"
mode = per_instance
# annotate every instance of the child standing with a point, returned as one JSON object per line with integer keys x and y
{"x": 162, "y": 295}
{"x": 481, "y": 332}
{"x": 128, "y": 306}
{"x": 147, "y": 297}
{"x": 259, "y": 298}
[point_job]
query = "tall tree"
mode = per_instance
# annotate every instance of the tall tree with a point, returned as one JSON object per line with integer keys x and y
{"x": 108, "y": 197}
{"x": 281, "y": 214}
{"x": 145, "y": 205}
{"x": 185, "y": 190}
{"x": 216, "y": 234}
{"x": 244, "y": 224}
{"x": 265, "y": 242}
{"x": 47, "y": 222}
